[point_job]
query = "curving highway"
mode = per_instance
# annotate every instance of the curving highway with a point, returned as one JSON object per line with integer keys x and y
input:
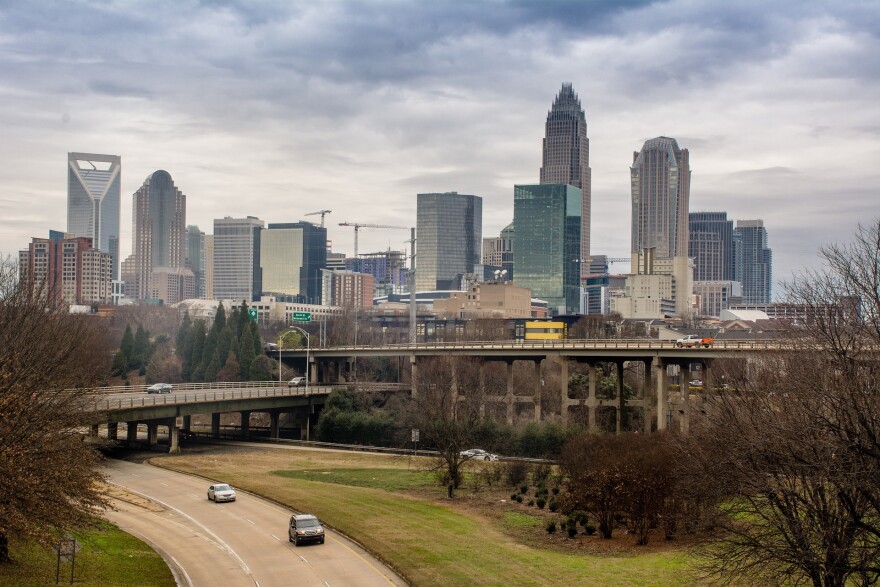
{"x": 241, "y": 543}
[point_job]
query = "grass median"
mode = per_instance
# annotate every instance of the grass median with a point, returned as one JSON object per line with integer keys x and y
{"x": 108, "y": 557}
{"x": 394, "y": 507}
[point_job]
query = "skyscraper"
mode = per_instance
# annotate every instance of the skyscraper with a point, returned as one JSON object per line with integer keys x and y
{"x": 93, "y": 196}
{"x": 711, "y": 245}
{"x": 291, "y": 258}
{"x": 498, "y": 251}
{"x": 449, "y": 228}
{"x": 158, "y": 229}
{"x": 567, "y": 154}
{"x": 547, "y": 242}
{"x": 236, "y": 272}
{"x": 196, "y": 258}
{"x": 757, "y": 262}
{"x": 660, "y": 181}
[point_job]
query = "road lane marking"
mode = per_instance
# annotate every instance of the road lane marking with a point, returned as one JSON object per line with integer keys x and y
{"x": 303, "y": 559}
{"x": 276, "y": 538}
{"x": 246, "y": 520}
{"x": 216, "y": 538}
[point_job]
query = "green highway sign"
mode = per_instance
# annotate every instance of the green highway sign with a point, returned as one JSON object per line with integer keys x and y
{"x": 302, "y": 316}
{"x": 252, "y": 313}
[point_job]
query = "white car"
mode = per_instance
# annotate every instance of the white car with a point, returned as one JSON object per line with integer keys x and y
{"x": 297, "y": 382}
{"x": 221, "y": 492}
{"x": 159, "y": 388}
{"x": 478, "y": 454}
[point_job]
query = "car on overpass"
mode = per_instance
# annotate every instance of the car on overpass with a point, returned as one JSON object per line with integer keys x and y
{"x": 693, "y": 341}
{"x": 478, "y": 454}
{"x": 160, "y": 388}
{"x": 297, "y": 382}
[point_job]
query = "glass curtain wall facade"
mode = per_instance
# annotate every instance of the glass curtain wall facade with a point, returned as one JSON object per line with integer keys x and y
{"x": 159, "y": 221}
{"x": 236, "y": 274}
{"x": 93, "y": 200}
{"x": 757, "y": 262}
{"x": 716, "y": 231}
{"x": 449, "y": 229}
{"x": 292, "y": 255}
{"x": 195, "y": 258}
{"x": 547, "y": 243}
{"x": 660, "y": 182}
{"x": 566, "y": 153}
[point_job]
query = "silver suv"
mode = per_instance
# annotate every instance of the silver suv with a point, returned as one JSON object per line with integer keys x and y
{"x": 305, "y": 528}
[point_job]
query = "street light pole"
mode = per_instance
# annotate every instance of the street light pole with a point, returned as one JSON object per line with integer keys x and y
{"x": 308, "y": 348}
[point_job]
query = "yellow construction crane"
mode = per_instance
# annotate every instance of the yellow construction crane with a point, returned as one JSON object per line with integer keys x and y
{"x": 321, "y": 212}
{"x": 358, "y": 226}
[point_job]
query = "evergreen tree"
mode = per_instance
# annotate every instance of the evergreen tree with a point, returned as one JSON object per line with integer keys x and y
{"x": 213, "y": 367}
{"x": 246, "y": 354}
{"x": 140, "y": 354}
{"x": 127, "y": 347}
{"x": 255, "y": 333}
{"x": 184, "y": 352}
{"x": 197, "y": 334}
{"x": 242, "y": 319}
{"x": 209, "y": 352}
{"x": 120, "y": 365}
{"x": 220, "y": 318}
{"x": 182, "y": 333}
{"x": 262, "y": 369}
{"x": 230, "y": 371}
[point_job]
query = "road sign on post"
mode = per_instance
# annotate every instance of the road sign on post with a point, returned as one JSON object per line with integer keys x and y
{"x": 302, "y": 316}
{"x": 252, "y": 314}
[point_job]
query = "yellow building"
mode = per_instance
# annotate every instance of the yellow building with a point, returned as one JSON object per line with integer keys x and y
{"x": 545, "y": 330}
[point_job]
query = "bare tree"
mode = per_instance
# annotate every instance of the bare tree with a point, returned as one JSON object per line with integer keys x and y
{"x": 447, "y": 410}
{"x": 48, "y": 476}
{"x": 792, "y": 453}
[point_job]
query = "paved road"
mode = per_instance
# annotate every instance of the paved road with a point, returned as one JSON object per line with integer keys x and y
{"x": 242, "y": 543}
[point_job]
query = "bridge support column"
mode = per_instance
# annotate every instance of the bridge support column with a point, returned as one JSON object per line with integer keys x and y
{"x": 659, "y": 370}
{"x": 93, "y": 429}
{"x": 453, "y": 395}
{"x": 245, "y": 422}
{"x": 187, "y": 423}
{"x": 414, "y": 372}
{"x": 539, "y": 385}
{"x": 112, "y": 431}
{"x": 482, "y": 390}
{"x": 273, "y": 424}
{"x": 508, "y": 399}
{"x": 312, "y": 371}
{"x": 563, "y": 389}
{"x": 684, "y": 387}
{"x": 621, "y": 401}
{"x": 173, "y": 437}
{"x": 647, "y": 396}
{"x": 131, "y": 431}
{"x": 153, "y": 432}
{"x": 592, "y": 404}
{"x": 215, "y": 425}
{"x": 708, "y": 386}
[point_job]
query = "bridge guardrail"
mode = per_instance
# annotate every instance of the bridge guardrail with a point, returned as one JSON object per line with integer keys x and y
{"x": 598, "y": 344}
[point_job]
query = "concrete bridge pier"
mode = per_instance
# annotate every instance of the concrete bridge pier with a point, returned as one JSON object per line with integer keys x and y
{"x": 414, "y": 372}
{"x": 662, "y": 393}
{"x": 131, "y": 432}
{"x": 215, "y": 425}
{"x": 508, "y": 399}
{"x": 93, "y": 429}
{"x": 482, "y": 390}
{"x": 112, "y": 431}
{"x": 152, "y": 432}
{"x": 245, "y": 422}
{"x": 563, "y": 390}
{"x": 592, "y": 402}
{"x": 647, "y": 397}
{"x": 187, "y": 423}
{"x": 173, "y": 436}
{"x": 273, "y": 423}
{"x": 684, "y": 387}
{"x": 621, "y": 400}
{"x": 539, "y": 386}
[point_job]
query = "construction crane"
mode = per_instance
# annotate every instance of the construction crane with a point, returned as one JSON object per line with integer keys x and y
{"x": 321, "y": 212}
{"x": 358, "y": 226}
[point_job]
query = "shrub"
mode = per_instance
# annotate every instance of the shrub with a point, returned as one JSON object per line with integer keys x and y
{"x": 541, "y": 503}
{"x": 572, "y": 531}
{"x": 556, "y": 490}
{"x": 540, "y": 473}
{"x": 553, "y": 506}
{"x": 589, "y": 529}
{"x": 523, "y": 489}
{"x": 516, "y": 472}
{"x": 551, "y": 527}
{"x": 512, "y": 497}
{"x": 519, "y": 498}
{"x": 531, "y": 502}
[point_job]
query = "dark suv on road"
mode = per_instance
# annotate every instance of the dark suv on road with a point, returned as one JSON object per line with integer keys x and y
{"x": 305, "y": 528}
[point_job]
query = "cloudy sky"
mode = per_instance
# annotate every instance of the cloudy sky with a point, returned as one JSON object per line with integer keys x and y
{"x": 277, "y": 109}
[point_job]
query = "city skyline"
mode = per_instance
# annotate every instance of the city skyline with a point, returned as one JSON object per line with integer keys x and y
{"x": 774, "y": 107}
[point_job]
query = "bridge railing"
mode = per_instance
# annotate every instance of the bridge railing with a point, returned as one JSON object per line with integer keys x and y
{"x": 599, "y": 344}
{"x": 187, "y": 393}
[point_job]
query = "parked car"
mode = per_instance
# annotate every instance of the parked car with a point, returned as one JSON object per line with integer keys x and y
{"x": 305, "y": 528}
{"x": 159, "y": 388}
{"x": 297, "y": 382}
{"x": 221, "y": 492}
{"x": 696, "y": 383}
{"x": 478, "y": 454}
{"x": 694, "y": 341}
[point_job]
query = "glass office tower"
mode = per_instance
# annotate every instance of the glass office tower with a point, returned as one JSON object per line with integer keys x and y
{"x": 449, "y": 229}
{"x": 292, "y": 255}
{"x": 93, "y": 196}
{"x": 547, "y": 243}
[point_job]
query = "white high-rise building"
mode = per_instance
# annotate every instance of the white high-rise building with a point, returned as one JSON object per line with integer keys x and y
{"x": 93, "y": 196}
{"x": 237, "y": 274}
